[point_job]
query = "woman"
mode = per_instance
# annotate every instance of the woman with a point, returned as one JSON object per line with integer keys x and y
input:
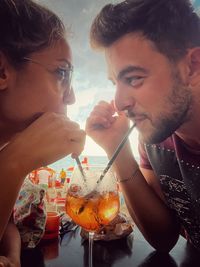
{"x": 35, "y": 87}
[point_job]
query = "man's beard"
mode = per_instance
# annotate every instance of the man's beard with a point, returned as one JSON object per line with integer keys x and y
{"x": 177, "y": 111}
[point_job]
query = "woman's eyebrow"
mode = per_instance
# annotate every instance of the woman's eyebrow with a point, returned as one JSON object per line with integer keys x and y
{"x": 66, "y": 62}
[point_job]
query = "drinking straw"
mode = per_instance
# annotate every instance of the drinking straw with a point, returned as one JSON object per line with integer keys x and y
{"x": 80, "y": 168}
{"x": 115, "y": 154}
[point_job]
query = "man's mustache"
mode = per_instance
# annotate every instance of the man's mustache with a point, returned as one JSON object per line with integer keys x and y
{"x": 131, "y": 115}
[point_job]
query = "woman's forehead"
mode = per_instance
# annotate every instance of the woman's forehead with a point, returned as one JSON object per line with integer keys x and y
{"x": 60, "y": 50}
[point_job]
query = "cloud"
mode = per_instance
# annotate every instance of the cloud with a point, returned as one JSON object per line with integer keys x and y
{"x": 88, "y": 94}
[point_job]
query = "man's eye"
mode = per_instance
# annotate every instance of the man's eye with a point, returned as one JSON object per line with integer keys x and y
{"x": 134, "y": 80}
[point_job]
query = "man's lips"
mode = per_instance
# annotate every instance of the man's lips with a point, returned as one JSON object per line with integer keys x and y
{"x": 138, "y": 119}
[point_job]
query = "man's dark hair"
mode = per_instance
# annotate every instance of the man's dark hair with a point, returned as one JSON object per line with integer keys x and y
{"x": 172, "y": 25}
{"x": 27, "y": 27}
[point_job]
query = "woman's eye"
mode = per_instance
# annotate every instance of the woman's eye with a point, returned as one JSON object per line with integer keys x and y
{"x": 134, "y": 81}
{"x": 63, "y": 73}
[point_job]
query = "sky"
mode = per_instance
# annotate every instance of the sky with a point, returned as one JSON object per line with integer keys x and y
{"x": 90, "y": 74}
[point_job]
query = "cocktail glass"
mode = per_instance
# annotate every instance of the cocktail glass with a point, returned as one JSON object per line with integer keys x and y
{"x": 90, "y": 205}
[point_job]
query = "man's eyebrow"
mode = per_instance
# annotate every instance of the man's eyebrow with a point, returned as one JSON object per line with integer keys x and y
{"x": 130, "y": 69}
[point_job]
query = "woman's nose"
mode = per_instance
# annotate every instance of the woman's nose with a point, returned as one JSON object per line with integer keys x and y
{"x": 69, "y": 97}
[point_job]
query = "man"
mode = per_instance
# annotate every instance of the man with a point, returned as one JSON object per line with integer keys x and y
{"x": 152, "y": 48}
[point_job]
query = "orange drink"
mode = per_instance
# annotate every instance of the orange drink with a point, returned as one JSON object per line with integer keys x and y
{"x": 90, "y": 204}
{"x": 93, "y": 210}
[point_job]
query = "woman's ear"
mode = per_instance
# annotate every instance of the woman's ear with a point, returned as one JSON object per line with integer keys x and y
{"x": 194, "y": 66}
{"x": 3, "y": 72}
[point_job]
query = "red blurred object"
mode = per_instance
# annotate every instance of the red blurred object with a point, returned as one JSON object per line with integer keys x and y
{"x": 85, "y": 160}
{"x": 60, "y": 200}
{"x": 52, "y": 225}
{"x": 71, "y": 168}
{"x": 57, "y": 183}
{"x": 34, "y": 175}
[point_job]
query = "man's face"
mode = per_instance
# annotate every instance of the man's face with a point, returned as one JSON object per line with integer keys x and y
{"x": 148, "y": 87}
{"x": 38, "y": 87}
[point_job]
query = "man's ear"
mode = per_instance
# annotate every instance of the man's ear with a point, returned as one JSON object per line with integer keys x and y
{"x": 194, "y": 66}
{"x": 3, "y": 72}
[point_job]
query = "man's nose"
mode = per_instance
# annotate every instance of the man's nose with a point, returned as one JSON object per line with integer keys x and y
{"x": 124, "y": 99}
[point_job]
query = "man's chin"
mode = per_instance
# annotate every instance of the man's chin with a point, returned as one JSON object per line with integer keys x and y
{"x": 151, "y": 139}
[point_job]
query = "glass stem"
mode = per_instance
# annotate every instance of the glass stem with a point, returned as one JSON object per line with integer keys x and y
{"x": 91, "y": 238}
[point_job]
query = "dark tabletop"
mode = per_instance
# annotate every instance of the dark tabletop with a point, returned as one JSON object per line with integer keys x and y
{"x": 132, "y": 251}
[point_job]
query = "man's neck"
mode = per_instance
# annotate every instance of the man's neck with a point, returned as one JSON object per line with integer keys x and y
{"x": 190, "y": 134}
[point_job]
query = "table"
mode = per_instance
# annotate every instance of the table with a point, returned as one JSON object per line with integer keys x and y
{"x": 133, "y": 251}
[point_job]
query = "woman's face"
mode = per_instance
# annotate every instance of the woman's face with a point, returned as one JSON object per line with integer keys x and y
{"x": 42, "y": 85}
